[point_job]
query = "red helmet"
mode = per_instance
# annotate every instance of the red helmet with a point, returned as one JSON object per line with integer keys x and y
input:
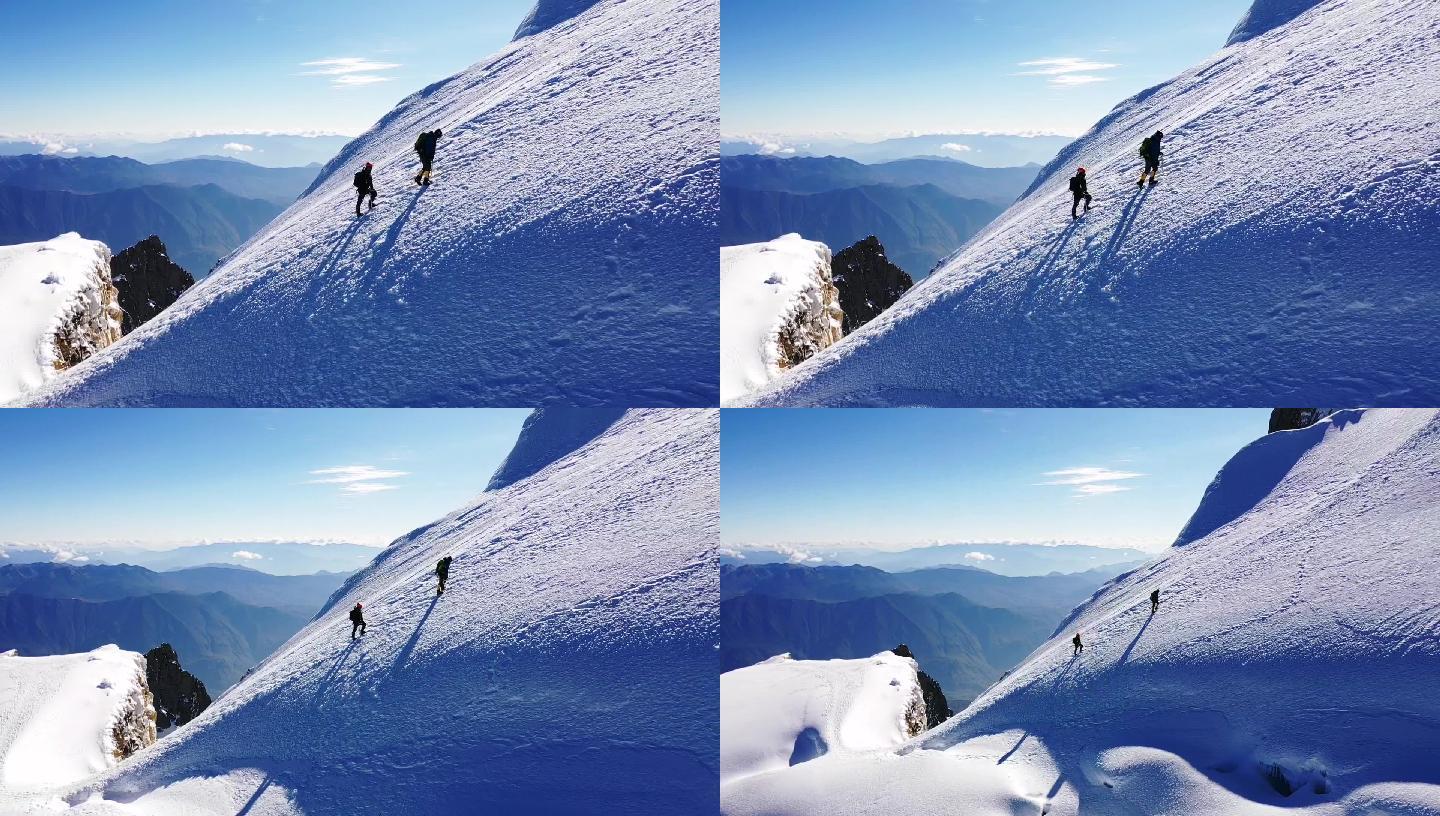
{"x": 1081, "y": 170}
{"x": 368, "y": 165}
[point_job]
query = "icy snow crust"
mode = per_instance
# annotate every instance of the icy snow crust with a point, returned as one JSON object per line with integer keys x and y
{"x": 40, "y": 285}
{"x": 762, "y": 287}
{"x": 1287, "y": 256}
{"x": 1298, "y": 641}
{"x": 56, "y": 715}
{"x": 569, "y": 668}
{"x": 565, "y": 253}
{"x": 783, "y": 712}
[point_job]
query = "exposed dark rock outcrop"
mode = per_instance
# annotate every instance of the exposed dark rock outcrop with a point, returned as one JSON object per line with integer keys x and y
{"x": 179, "y": 695}
{"x": 869, "y": 284}
{"x": 148, "y": 281}
{"x": 937, "y": 709}
{"x": 1290, "y": 419}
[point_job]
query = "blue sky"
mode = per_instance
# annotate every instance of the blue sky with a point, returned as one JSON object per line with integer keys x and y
{"x": 161, "y": 67}
{"x": 898, "y": 477}
{"x": 867, "y": 68}
{"x": 168, "y": 477}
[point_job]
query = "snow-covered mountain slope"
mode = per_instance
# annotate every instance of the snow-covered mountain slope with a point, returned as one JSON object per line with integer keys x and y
{"x": 548, "y": 435}
{"x": 568, "y": 668}
{"x": 565, "y": 253}
{"x": 1290, "y": 667}
{"x": 778, "y": 305}
{"x": 783, "y": 712}
{"x": 57, "y": 306}
{"x": 1286, "y": 256}
{"x": 1265, "y": 15}
{"x": 66, "y": 717}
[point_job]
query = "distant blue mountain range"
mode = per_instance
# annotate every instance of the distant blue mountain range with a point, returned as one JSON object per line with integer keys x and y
{"x": 201, "y": 208}
{"x": 222, "y": 620}
{"x": 920, "y": 209}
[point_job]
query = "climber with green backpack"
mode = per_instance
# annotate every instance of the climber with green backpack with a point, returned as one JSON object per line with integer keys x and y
{"x": 1150, "y": 151}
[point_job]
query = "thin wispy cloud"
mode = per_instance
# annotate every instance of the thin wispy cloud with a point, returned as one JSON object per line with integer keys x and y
{"x": 354, "y": 473}
{"x": 1098, "y": 489}
{"x": 348, "y": 72}
{"x": 1067, "y": 71}
{"x": 367, "y": 487}
{"x": 1090, "y": 481}
{"x": 358, "y": 79}
{"x": 358, "y": 480}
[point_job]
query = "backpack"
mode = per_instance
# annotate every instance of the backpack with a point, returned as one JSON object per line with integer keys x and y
{"x": 1145, "y": 146}
{"x": 360, "y": 181}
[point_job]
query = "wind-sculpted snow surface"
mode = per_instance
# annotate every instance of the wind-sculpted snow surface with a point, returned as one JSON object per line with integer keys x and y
{"x": 782, "y": 712}
{"x": 65, "y": 717}
{"x": 569, "y": 668}
{"x": 1286, "y": 257}
{"x": 565, "y": 253}
{"x": 1291, "y": 664}
{"x": 56, "y": 301}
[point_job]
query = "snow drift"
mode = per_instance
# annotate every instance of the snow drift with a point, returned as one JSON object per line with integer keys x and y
{"x": 564, "y": 255}
{"x": 783, "y": 712}
{"x": 568, "y": 668}
{"x": 57, "y": 307}
{"x": 779, "y": 307}
{"x": 1286, "y": 257}
{"x": 66, "y": 717}
{"x": 1289, "y": 665}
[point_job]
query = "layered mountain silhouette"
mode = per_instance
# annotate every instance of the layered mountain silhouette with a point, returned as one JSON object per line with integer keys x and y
{"x": 199, "y": 224}
{"x": 920, "y": 209}
{"x": 223, "y": 620}
{"x": 969, "y": 626}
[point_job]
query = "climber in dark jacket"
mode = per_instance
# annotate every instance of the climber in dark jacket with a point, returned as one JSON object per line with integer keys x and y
{"x": 1079, "y": 647}
{"x": 357, "y": 621}
{"x": 1077, "y": 188}
{"x": 365, "y": 185}
{"x": 1150, "y": 151}
{"x": 1154, "y": 601}
{"x": 425, "y": 149}
{"x": 442, "y": 571}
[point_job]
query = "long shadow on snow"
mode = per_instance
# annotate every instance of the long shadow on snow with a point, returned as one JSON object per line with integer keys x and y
{"x": 1042, "y": 269}
{"x": 260, "y": 791}
{"x": 1123, "y": 227}
{"x": 1125, "y": 657}
{"x": 325, "y": 682}
{"x": 409, "y": 646}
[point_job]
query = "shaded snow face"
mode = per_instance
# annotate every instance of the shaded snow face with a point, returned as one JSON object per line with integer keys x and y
{"x": 1286, "y": 256}
{"x": 549, "y": 13}
{"x": 548, "y": 435}
{"x": 1266, "y": 15}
